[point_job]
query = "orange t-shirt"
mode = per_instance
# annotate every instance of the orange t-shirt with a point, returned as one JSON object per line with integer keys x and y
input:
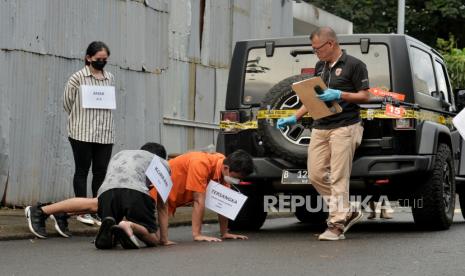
{"x": 191, "y": 172}
{"x": 153, "y": 193}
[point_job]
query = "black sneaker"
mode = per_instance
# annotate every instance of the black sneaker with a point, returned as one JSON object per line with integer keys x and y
{"x": 352, "y": 219}
{"x": 61, "y": 224}
{"x": 104, "y": 239}
{"x": 36, "y": 221}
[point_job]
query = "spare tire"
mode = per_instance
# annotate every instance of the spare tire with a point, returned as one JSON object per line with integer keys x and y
{"x": 291, "y": 143}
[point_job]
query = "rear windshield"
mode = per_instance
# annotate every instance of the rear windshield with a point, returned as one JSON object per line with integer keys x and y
{"x": 263, "y": 72}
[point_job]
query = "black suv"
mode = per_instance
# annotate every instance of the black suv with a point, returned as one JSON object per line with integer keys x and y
{"x": 413, "y": 154}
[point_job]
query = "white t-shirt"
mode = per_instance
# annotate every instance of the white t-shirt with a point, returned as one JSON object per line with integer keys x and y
{"x": 127, "y": 171}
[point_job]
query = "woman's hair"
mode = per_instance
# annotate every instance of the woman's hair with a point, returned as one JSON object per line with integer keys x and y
{"x": 94, "y": 48}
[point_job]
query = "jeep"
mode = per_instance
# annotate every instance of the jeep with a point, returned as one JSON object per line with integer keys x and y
{"x": 410, "y": 152}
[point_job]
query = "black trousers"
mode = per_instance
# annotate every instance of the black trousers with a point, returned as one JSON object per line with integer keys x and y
{"x": 85, "y": 154}
{"x": 133, "y": 205}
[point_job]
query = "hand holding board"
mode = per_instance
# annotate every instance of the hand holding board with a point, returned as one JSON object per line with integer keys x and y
{"x": 307, "y": 91}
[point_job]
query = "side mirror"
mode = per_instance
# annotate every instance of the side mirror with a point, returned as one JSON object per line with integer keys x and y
{"x": 460, "y": 99}
{"x": 461, "y": 94}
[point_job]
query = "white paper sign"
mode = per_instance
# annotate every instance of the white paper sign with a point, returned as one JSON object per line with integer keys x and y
{"x": 459, "y": 122}
{"x": 223, "y": 200}
{"x": 98, "y": 97}
{"x": 160, "y": 177}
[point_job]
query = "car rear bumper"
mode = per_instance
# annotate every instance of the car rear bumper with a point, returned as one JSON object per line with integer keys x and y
{"x": 366, "y": 166}
{"x": 391, "y": 166}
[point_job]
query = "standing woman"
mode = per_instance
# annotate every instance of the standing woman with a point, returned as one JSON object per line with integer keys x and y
{"x": 90, "y": 129}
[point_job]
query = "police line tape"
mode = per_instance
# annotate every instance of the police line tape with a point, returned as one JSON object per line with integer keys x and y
{"x": 422, "y": 115}
{"x": 368, "y": 114}
{"x": 228, "y": 125}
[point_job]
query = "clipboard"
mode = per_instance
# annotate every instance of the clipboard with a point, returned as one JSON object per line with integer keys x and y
{"x": 308, "y": 96}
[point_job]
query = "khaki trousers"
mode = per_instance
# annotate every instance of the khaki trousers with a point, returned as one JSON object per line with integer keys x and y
{"x": 330, "y": 156}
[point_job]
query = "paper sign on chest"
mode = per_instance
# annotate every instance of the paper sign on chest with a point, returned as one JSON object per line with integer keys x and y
{"x": 160, "y": 177}
{"x": 98, "y": 97}
{"x": 223, "y": 200}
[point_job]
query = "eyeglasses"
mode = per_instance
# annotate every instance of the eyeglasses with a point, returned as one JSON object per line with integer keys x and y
{"x": 316, "y": 49}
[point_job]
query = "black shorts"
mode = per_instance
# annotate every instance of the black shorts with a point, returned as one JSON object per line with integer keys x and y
{"x": 136, "y": 206}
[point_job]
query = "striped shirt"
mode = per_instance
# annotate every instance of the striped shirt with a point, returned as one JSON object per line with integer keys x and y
{"x": 86, "y": 124}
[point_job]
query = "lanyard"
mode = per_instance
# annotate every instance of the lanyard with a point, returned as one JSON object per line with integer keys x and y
{"x": 330, "y": 69}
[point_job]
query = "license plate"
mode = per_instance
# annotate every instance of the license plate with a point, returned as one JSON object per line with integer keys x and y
{"x": 295, "y": 177}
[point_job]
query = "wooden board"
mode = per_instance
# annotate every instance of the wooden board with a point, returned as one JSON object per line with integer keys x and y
{"x": 316, "y": 108}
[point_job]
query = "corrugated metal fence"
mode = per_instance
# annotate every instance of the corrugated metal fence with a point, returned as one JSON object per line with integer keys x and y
{"x": 170, "y": 60}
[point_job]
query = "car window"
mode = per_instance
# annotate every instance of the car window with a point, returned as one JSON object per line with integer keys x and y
{"x": 262, "y": 72}
{"x": 442, "y": 80}
{"x": 423, "y": 72}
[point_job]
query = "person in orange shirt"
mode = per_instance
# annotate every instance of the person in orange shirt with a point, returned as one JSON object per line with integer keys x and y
{"x": 191, "y": 172}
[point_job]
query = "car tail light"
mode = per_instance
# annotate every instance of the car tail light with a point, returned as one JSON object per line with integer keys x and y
{"x": 382, "y": 182}
{"x": 244, "y": 183}
{"x": 403, "y": 124}
{"x": 229, "y": 121}
{"x": 307, "y": 71}
{"x": 231, "y": 116}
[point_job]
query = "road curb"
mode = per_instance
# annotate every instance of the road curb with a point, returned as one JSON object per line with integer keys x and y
{"x": 89, "y": 231}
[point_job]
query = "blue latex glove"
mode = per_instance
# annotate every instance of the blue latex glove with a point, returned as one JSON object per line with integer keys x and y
{"x": 288, "y": 121}
{"x": 330, "y": 95}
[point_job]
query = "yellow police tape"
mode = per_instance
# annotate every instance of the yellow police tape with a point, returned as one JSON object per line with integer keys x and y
{"x": 368, "y": 114}
{"x": 275, "y": 114}
{"x": 230, "y": 126}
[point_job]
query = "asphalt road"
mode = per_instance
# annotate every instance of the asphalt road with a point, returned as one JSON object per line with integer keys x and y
{"x": 283, "y": 247}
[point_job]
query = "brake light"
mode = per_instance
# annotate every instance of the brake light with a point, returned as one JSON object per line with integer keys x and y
{"x": 230, "y": 121}
{"x": 382, "y": 182}
{"x": 307, "y": 71}
{"x": 402, "y": 124}
{"x": 231, "y": 116}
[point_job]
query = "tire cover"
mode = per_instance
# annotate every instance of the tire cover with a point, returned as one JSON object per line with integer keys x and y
{"x": 273, "y": 139}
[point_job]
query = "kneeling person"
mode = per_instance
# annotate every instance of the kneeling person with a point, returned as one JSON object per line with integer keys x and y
{"x": 127, "y": 194}
{"x": 124, "y": 184}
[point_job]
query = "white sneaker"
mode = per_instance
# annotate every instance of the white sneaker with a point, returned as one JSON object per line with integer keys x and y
{"x": 86, "y": 219}
{"x": 329, "y": 235}
{"x": 97, "y": 220}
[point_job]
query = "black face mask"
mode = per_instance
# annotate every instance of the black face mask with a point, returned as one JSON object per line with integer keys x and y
{"x": 98, "y": 64}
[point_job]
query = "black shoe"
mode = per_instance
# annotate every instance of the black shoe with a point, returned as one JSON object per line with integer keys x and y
{"x": 104, "y": 239}
{"x": 61, "y": 224}
{"x": 127, "y": 242}
{"x": 36, "y": 220}
{"x": 352, "y": 219}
